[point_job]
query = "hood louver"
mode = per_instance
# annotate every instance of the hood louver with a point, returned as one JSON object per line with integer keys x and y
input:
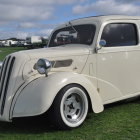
{"x": 61, "y": 63}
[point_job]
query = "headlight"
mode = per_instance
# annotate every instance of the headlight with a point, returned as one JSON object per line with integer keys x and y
{"x": 43, "y": 66}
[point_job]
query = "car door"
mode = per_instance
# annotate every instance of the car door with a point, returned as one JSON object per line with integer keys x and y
{"x": 118, "y": 61}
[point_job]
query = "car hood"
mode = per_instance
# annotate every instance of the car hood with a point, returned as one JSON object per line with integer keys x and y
{"x": 68, "y": 58}
{"x": 57, "y": 52}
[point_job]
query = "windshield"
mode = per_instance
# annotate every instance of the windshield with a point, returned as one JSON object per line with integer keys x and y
{"x": 79, "y": 34}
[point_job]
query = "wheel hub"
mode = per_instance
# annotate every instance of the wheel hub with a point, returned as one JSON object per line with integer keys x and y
{"x": 73, "y": 107}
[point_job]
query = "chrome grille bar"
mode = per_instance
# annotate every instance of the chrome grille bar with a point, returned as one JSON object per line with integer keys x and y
{"x": 3, "y": 72}
{"x": 4, "y": 80}
{"x": 0, "y": 65}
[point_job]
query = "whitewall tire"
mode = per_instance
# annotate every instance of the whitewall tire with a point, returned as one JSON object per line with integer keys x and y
{"x": 70, "y": 107}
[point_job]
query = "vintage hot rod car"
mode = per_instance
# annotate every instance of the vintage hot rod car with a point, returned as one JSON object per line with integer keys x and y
{"x": 89, "y": 62}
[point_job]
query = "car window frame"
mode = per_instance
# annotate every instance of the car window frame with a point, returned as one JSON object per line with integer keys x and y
{"x": 90, "y": 23}
{"x": 135, "y": 37}
{"x": 118, "y": 48}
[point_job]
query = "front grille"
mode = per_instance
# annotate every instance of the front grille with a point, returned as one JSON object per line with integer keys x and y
{"x": 5, "y": 75}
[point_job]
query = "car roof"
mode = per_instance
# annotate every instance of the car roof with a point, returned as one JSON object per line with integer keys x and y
{"x": 106, "y": 17}
{"x": 97, "y": 19}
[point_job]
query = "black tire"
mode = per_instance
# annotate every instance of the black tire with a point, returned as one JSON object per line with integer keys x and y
{"x": 70, "y": 107}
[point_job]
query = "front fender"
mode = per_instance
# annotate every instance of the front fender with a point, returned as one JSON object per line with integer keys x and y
{"x": 37, "y": 97}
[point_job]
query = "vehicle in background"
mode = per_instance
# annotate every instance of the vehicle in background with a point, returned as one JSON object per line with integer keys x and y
{"x": 35, "y": 42}
{"x": 33, "y": 39}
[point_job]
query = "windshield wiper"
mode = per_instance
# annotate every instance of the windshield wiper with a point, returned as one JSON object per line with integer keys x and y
{"x": 72, "y": 27}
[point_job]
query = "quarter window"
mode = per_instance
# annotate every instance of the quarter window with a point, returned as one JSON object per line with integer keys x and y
{"x": 120, "y": 34}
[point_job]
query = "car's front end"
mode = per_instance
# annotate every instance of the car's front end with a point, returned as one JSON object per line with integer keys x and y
{"x": 18, "y": 70}
{"x": 30, "y": 81}
{"x": 10, "y": 81}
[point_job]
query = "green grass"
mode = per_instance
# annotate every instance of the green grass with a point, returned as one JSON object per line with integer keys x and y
{"x": 7, "y": 50}
{"x": 119, "y": 121}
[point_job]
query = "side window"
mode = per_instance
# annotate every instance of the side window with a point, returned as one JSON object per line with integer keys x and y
{"x": 120, "y": 34}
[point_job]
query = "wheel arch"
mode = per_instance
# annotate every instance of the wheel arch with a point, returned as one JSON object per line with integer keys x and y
{"x": 37, "y": 97}
{"x": 87, "y": 94}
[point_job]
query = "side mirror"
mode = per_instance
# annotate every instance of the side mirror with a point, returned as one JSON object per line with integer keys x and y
{"x": 102, "y": 43}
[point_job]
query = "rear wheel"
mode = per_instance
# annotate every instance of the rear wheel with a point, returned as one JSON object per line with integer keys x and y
{"x": 70, "y": 107}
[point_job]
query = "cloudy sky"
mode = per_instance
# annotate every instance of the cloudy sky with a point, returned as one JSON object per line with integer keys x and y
{"x": 22, "y": 18}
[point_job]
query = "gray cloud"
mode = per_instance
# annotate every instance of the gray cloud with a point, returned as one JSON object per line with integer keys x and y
{"x": 18, "y": 17}
{"x": 24, "y": 34}
{"x": 21, "y": 18}
{"x": 17, "y": 34}
{"x": 39, "y": 2}
{"x": 24, "y": 10}
{"x": 21, "y": 13}
{"x": 127, "y": 1}
{"x": 25, "y": 29}
{"x": 108, "y": 7}
{"x": 45, "y": 32}
{"x": 36, "y": 25}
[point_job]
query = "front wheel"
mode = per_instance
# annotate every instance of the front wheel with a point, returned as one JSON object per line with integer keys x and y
{"x": 70, "y": 107}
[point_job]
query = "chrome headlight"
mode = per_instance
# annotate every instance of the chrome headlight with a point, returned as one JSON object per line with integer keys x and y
{"x": 43, "y": 66}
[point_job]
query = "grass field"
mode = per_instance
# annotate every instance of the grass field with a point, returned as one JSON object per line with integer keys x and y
{"x": 7, "y": 50}
{"x": 119, "y": 121}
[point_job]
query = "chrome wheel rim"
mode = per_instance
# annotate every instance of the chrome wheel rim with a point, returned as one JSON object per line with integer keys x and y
{"x": 74, "y": 106}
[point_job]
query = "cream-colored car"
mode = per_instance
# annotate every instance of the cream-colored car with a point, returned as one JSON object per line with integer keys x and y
{"x": 89, "y": 62}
